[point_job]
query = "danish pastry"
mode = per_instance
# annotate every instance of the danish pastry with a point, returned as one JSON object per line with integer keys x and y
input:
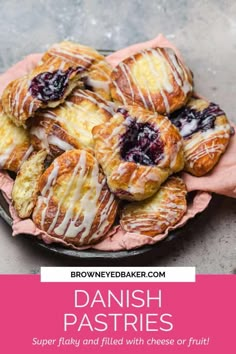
{"x": 75, "y": 203}
{"x": 72, "y": 52}
{"x": 154, "y": 79}
{"x": 15, "y": 144}
{"x": 154, "y": 215}
{"x": 206, "y": 133}
{"x": 47, "y": 85}
{"x": 98, "y": 79}
{"x": 26, "y": 185}
{"x": 69, "y": 126}
{"x": 137, "y": 150}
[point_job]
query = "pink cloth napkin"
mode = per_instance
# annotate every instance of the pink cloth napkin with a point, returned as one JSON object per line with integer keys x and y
{"x": 221, "y": 180}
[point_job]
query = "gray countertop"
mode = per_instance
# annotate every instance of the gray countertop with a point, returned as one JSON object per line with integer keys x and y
{"x": 205, "y": 32}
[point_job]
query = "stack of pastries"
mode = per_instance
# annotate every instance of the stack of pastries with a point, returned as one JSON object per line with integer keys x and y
{"x": 93, "y": 145}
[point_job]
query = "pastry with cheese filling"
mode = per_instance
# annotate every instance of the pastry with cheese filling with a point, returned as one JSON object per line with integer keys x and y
{"x": 154, "y": 78}
{"x": 26, "y": 185}
{"x": 15, "y": 144}
{"x": 70, "y": 125}
{"x": 75, "y": 203}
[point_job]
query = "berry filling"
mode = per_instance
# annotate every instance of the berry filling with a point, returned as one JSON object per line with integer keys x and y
{"x": 141, "y": 143}
{"x": 51, "y": 86}
{"x": 189, "y": 121}
{"x": 122, "y": 111}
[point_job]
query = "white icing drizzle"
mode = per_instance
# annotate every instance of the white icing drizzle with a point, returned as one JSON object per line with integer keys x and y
{"x": 61, "y": 227}
{"x": 98, "y": 84}
{"x": 87, "y": 96}
{"x": 14, "y": 106}
{"x": 193, "y": 154}
{"x": 185, "y": 84}
{"x": 86, "y": 201}
{"x": 68, "y": 217}
{"x": 58, "y": 51}
{"x": 40, "y": 133}
{"x": 107, "y": 159}
{"x": 147, "y": 86}
{"x": 164, "y": 73}
{"x": 101, "y": 67}
{"x": 44, "y": 211}
{"x": 103, "y": 218}
{"x": 165, "y": 101}
{"x": 15, "y": 102}
{"x": 5, "y": 155}
{"x": 119, "y": 92}
{"x": 62, "y": 65}
{"x": 172, "y": 60}
{"x": 175, "y": 154}
{"x": 136, "y": 83}
{"x": 156, "y": 213}
{"x": 51, "y": 178}
{"x": 166, "y": 82}
{"x": 27, "y": 154}
{"x": 61, "y": 144}
{"x": 46, "y": 193}
{"x": 121, "y": 170}
{"x": 31, "y": 106}
{"x": 21, "y": 107}
{"x": 123, "y": 68}
{"x": 161, "y": 74}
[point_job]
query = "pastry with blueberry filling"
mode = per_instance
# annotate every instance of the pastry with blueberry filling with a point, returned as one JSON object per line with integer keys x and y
{"x": 60, "y": 70}
{"x": 138, "y": 150}
{"x": 206, "y": 132}
{"x": 97, "y": 75}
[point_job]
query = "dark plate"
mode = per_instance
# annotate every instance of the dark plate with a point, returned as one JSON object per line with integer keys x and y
{"x": 95, "y": 254}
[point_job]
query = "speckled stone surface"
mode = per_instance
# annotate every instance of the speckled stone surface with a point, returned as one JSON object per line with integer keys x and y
{"x": 205, "y": 32}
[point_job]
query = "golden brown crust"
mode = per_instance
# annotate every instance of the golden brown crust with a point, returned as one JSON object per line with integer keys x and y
{"x": 71, "y": 60}
{"x": 73, "y": 52}
{"x": 18, "y": 102}
{"x": 130, "y": 180}
{"x": 203, "y": 148}
{"x": 69, "y": 126}
{"x": 75, "y": 203}
{"x": 98, "y": 79}
{"x": 26, "y": 185}
{"x": 154, "y": 79}
{"x": 154, "y": 215}
{"x": 14, "y": 144}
